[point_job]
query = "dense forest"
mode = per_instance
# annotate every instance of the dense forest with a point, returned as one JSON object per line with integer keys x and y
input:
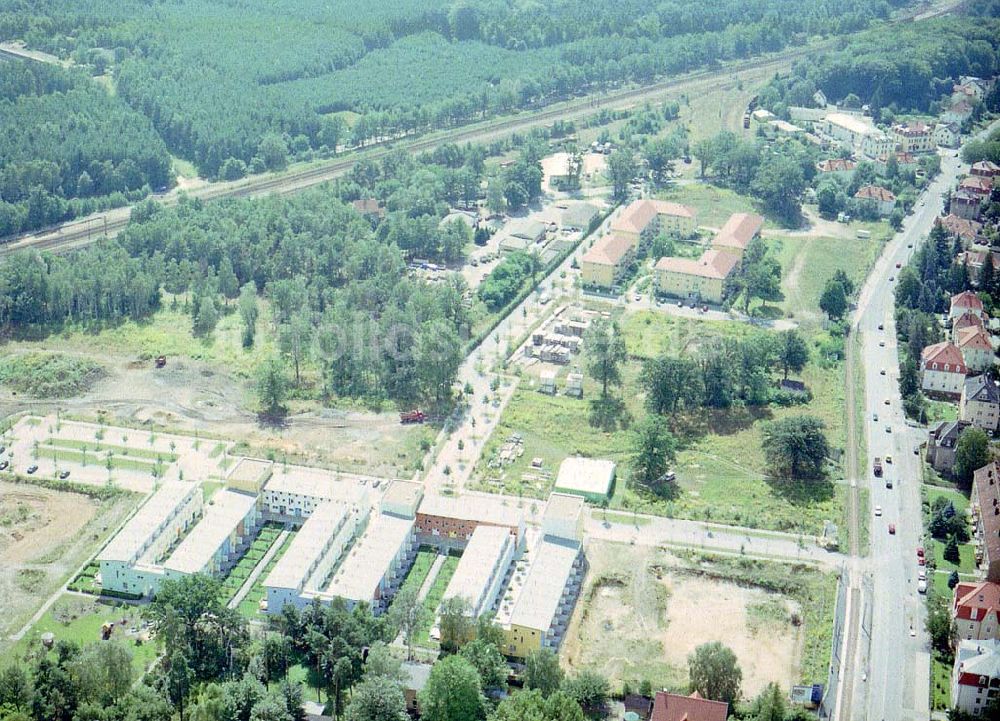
{"x": 69, "y": 148}
{"x": 251, "y": 81}
{"x": 908, "y": 67}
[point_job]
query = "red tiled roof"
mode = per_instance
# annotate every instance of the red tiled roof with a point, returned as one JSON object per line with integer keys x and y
{"x": 985, "y": 167}
{"x": 912, "y": 129}
{"x": 943, "y": 353}
{"x": 713, "y": 264}
{"x": 977, "y": 184}
{"x": 968, "y": 319}
{"x": 739, "y": 230}
{"x": 637, "y": 216}
{"x": 836, "y": 165}
{"x": 984, "y": 597}
{"x": 986, "y": 487}
{"x": 974, "y": 338}
{"x": 674, "y": 707}
{"x": 966, "y": 299}
{"x": 965, "y": 229}
{"x": 665, "y": 207}
{"x": 609, "y": 250}
{"x": 875, "y": 192}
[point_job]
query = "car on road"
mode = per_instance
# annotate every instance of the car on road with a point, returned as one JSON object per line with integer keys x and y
{"x": 878, "y": 510}
{"x": 888, "y": 459}
{"x": 680, "y": 304}
{"x": 882, "y": 372}
{"x": 892, "y": 529}
{"x": 881, "y": 326}
{"x": 892, "y": 278}
{"x": 909, "y": 245}
{"x": 63, "y": 475}
{"x": 888, "y": 483}
{"x": 637, "y": 298}
{"x": 886, "y": 401}
{"x": 3, "y": 448}
{"x": 875, "y": 417}
{"x": 31, "y": 469}
{"x": 888, "y": 428}
{"x": 921, "y": 586}
{"x": 881, "y": 344}
{"x": 899, "y": 265}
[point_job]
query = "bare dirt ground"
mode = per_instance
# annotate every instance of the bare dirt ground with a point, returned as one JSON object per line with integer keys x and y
{"x": 639, "y": 621}
{"x": 194, "y": 397}
{"x": 45, "y": 536}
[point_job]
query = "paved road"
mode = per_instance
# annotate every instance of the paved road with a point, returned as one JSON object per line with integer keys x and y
{"x": 889, "y": 673}
{"x": 658, "y": 531}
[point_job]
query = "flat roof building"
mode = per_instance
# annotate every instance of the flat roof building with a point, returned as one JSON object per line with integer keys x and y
{"x": 482, "y": 569}
{"x": 249, "y": 474}
{"x": 376, "y": 564}
{"x": 590, "y": 478}
{"x": 456, "y": 517}
{"x": 294, "y": 492}
{"x": 564, "y": 516}
{"x": 213, "y": 545}
{"x": 402, "y": 498}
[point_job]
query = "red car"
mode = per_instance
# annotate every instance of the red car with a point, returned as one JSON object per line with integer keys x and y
{"x": 892, "y": 529}
{"x": 920, "y": 551}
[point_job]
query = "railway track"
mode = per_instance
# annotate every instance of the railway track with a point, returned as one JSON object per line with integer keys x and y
{"x": 80, "y": 232}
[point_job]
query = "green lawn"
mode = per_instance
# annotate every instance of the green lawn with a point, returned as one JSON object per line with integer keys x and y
{"x": 103, "y": 448}
{"x": 418, "y": 571}
{"x": 941, "y": 411}
{"x": 714, "y": 205}
{"x": 966, "y": 553}
{"x": 649, "y": 333}
{"x": 941, "y": 669}
{"x": 77, "y": 619}
{"x": 434, "y": 595}
{"x": 92, "y": 459}
{"x": 959, "y": 499}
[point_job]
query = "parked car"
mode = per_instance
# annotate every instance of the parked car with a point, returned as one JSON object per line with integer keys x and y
{"x": 882, "y": 372}
{"x": 881, "y": 326}
{"x": 63, "y": 475}
{"x": 888, "y": 483}
{"x": 921, "y": 586}
{"x": 878, "y": 511}
{"x": 31, "y": 469}
{"x": 920, "y": 551}
{"x": 3, "y": 465}
{"x": 892, "y": 529}
{"x": 888, "y": 428}
{"x": 888, "y": 459}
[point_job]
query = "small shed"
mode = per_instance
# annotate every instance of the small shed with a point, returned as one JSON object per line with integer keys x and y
{"x": 574, "y": 385}
{"x": 547, "y": 382}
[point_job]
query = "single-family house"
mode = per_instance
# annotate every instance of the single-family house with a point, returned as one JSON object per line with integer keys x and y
{"x": 607, "y": 261}
{"x": 965, "y": 302}
{"x": 976, "y": 348}
{"x": 980, "y": 403}
{"x": 836, "y": 168}
{"x": 677, "y": 707}
{"x": 967, "y": 231}
{"x": 975, "y": 610}
{"x": 736, "y": 234}
{"x": 705, "y": 279}
{"x": 947, "y": 135}
{"x": 943, "y": 370}
{"x": 984, "y": 502}
{"x": 972, "y": 89}
{"x": 966, "y": 204}
{"x": 883, "y": 198}
{"x": 942, "y": 441}
{"x": 913, "y": 137}
{"x": 975, "y": 680}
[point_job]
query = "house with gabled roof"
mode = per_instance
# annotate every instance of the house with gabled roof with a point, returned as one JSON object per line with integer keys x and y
{"x": 677, "y": 707}
{"x": 965, "y": 302}
{"x": 984, "y": 503}
{"x": 980, "y": 185}
{"x": 948, "y": 135}
{"x": 975, "y": 610}
{"x": 736, "y": 234}
{"x": 836, "y": 168}
{"x": 975, "y": 679}
{"x": 980, "y": 403}
{"x": 968, "y": 231}
{"x": 608, "y": 260}
{"x": 942, "y": 370}
{"x": 883, "y": 198}
{"x": 976, "y": 347}
{"x": 704, "y": 279}
{"x": 942, "y": 440}
{"x": 985, "y": 169}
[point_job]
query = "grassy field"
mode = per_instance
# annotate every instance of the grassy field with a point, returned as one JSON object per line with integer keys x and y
{"x": 967, "y": 557}
{"x": 99, "y": 447}
{"x": 714, "y": 205}
{"x": 418, "y": 571}
{"x": 49, "y": 375}
{"x": 84, "y": 458}
{"x": 941, "y": 669}
{"x": 77, "y": 619}
{"x": 649, "y": 333}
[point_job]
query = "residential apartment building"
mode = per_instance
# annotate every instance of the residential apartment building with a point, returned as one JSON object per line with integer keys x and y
{"x": 976, "y": 347}
{"x": 968, "y": 231}
{"x": 966, "y": 204}
{"x": 230, "y": 523}
{"x": 608, "y": 260}
{"x": 736, "y": 234}
{"x": 980, "y": 403}
{"x": 948, "y": 135}
{"x": 642, "y": 220}
{"x": 942, "y": 370}
{"x": 481, "y": 572}
{"x": 941, "y": 442}
{"x": 965, "y": 302}
{"x": 702, "y": 280}
{"x": 914, "y": 137}
{"x": 842, "y": 168}
{"x": 984, "y": 503}
{"x": 975, "y": 680}
{"x": 975, "y": 611}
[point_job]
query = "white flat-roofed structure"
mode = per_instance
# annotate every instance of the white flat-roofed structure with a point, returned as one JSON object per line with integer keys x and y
{"x": 376, "y": 564}
{"x": 564, "y": 516}
{"x": 296, "y": 491}
{"x": 316, "y": 549}
{"x": 590, "y": 478}
{"x": 544, "y": 595}
{"x": 249, "y": 474}
{"x": 480, "y": 573}
{"x": 402, "y": 498}
{"x": 456, "y": 517}
{"x": 215, "y": 543}
{"x": 147, "y": 536}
